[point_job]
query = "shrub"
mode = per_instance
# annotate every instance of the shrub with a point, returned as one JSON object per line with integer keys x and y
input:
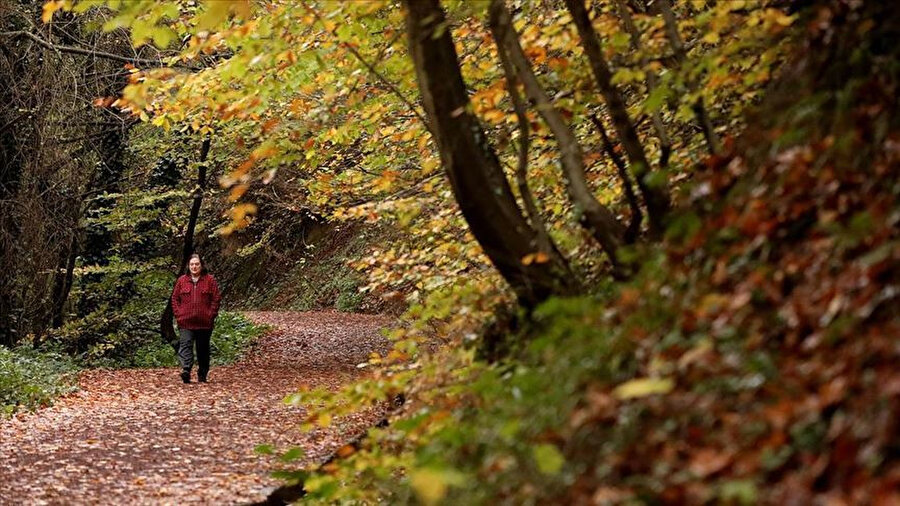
{"x": 233, "y": 335}
{"x": 31, "y": 378}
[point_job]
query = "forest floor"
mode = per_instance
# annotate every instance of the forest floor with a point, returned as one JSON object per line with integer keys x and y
{"x": 141, "y": 436}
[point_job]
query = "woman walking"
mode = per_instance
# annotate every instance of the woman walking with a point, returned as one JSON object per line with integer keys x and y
{"x": 195, "y": 303}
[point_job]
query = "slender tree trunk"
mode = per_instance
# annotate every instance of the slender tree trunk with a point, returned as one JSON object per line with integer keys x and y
{"x": 656, "y": 197}
{"x": 475, "y": 174}
{"x": 195, "y": 207}
{"x": 665, "y": 144}
{"x": 63, "y": 283}
{"x": 594, "y": 216}
{"x": 167, "y": 329}
{"x": 699, "y": 107}
{"x": 545, "y": 242}
{"x": 634, "y": 226}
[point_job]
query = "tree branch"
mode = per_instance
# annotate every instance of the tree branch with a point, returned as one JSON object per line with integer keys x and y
{"x": 699, "y": 107}
{"x": 637, "y": 216}
{"x": 656, "y": 197}
{"x": 534, "y": 215}
{"x": 374, "y": 71}
{"x": 89, "y": 52}
{"x": 595, "y": 217}
{"x": 665, "y": 144}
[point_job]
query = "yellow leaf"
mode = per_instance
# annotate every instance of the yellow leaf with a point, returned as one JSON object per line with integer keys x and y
{"x": 49, "y": 9}
{"x": 711, "y": 38}
{"x": 262, "y": 152}
{"x": 216, "y": 12}
{"x": 430, "y": 165}
{"x": 643, "y": 387}
{"x": 780, "y": 17}
{"x": 431, "y": 484}
{"x": 241, "y": 8}
{"x": 549, "y": 459}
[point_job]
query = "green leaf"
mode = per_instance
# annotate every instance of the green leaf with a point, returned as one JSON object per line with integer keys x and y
{"x": 162, "y": 36}
{"x": 292, "y": 454}
{"x": 656, "y": 98}
{"x": 620, "y": 40}
{"x": 643, "y": 387}
{"x": 548, "y": 458}
{"x": 264, "y": 449}
{"x": 290, "y": 476}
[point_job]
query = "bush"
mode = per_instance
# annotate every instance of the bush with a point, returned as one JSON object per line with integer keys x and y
{"x": 30, "y": 378}
{"x": 233, "y": 335}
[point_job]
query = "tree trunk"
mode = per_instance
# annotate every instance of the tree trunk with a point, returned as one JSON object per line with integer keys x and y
{"x": 476, "y": 177}
{"x": 595, "y": 217}
{"x": 699, "y": 107}
{"x": 63, "y": 282}
{"x": 634, "y": 226}
{"x": 545, "y": 242}
{"x": 656, "y": 197}
{"x": 167, "y": 329}
{"x": 665, "y": 144}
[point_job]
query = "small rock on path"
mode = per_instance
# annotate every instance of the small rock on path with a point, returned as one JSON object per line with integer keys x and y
{"x": 140, "y": 436}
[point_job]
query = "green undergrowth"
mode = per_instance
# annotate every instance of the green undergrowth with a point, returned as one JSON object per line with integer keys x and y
{"x": 481, "y": 432}
{"x": 233, "y": 335}
{"x": 30, "y": 378}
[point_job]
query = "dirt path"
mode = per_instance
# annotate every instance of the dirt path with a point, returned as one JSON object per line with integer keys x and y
{"x": 140, "y": 436}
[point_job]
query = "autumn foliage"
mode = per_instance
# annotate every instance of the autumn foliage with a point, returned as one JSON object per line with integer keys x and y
{"x": 649, "y": 250}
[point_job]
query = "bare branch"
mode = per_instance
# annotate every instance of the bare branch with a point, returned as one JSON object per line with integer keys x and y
{"x": 595, "y": 217}
{"x": 90, "y": 52}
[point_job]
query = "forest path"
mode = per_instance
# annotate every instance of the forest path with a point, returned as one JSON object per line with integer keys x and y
{"x": 141, "y": 436}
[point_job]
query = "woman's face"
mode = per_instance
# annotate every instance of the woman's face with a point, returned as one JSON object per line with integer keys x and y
{"x": 195, "y": 266}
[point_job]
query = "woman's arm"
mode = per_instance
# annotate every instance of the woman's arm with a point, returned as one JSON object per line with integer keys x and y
{"x": 176, "y": 308}
{"x": 216, "y": 297}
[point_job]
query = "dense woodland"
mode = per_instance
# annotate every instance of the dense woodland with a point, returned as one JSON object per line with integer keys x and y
{"x": 638, "y": 251}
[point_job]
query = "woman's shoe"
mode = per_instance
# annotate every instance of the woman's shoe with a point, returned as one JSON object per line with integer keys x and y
{"x": 201, "y": 379}
{"x": 186, "y": 376}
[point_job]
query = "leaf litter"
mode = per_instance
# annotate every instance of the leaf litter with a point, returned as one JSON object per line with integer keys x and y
{"x": 141, "y": 436}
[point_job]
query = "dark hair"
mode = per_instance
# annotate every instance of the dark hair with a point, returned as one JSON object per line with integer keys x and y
{"x": 202, "y": 263}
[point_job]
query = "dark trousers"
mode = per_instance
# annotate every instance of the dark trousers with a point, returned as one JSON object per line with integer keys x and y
{"x": 186, "y": 349}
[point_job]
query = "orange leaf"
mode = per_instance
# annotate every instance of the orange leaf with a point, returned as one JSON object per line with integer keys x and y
{"x": 238, "y": 191}
{"x": 346, "y": 451}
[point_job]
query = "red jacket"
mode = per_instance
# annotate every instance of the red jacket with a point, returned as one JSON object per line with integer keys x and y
{"x": 196, "y": 305}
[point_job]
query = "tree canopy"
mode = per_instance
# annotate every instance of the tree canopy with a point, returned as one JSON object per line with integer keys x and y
{"x": 646, "y": 250}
